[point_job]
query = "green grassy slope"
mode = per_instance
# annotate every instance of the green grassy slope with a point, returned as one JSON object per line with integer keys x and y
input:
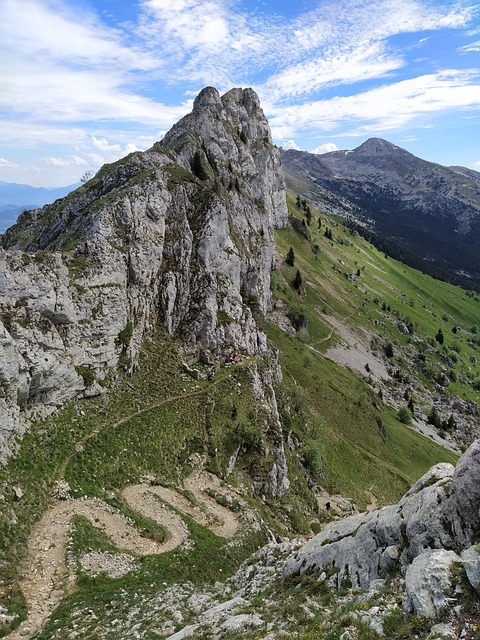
{"x": 357, "y": 444}
{"x": 338, "y": 432}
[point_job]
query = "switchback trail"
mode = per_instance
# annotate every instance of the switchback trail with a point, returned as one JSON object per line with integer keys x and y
{"x": 47, "y": 577}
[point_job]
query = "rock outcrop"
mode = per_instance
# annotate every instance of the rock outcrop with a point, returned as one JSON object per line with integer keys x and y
{"x": 180, "y": 235}
{"x": 420, "y": 537}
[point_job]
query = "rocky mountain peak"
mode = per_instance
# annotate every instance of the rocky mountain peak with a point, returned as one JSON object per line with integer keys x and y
{"x": 420, "y": 212}
{"x": 377, "y": 147}
{"x": 223, "y": 130}
{"x": 180, "y": 235}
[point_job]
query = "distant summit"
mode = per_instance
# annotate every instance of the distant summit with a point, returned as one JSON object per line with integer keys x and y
{"x": 422, "y": 213}
{"x": 376, "y": 147}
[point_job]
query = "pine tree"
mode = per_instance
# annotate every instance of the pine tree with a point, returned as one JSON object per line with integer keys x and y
{"x": 297, "y": 282}
{"x": 411, "y": 406}
{"x": 299, "y": 204}
{"x": 290, "y": 259}
{"x": 433, "y": 417}
{"x": 308, "y": 214}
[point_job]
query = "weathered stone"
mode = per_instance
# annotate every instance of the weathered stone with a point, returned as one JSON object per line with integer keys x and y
{"x": 242, "y": 622}
{"x": 181, "y": 235}
{"x": 471, "y": 564}
{"x": 367, "y": 546}
{"x": 465, "y": 501}
{"x": 18, "y": 493}
{"x": 428, "y": 580}
{"x": 61, "y": 490}
{"x": 94, "y": 390}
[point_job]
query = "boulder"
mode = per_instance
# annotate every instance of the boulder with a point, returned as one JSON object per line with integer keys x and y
{"x": 441, "y": 512}
{"x": 465, "y": 501}
{"x": 428, "y": 581}
{"x": 471, "y": 564}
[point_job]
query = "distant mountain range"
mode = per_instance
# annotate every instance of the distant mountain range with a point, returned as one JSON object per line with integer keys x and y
{"x": 422, "y": 213}
{"x": 15, "y": 198}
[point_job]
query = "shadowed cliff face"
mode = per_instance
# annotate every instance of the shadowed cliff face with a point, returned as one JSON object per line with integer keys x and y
{"x": 180, "y": 235}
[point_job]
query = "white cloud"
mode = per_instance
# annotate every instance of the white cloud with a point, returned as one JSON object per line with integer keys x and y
{"x": 70, "y": 161}
{"x": 53, "y": 31}
{"x": 472, "y": 47}
{"x": 55, "y": 162}
{"x": 6, "y": 164}
{"x": 80, "y": 86}
{"x": 346, "y": 42}
{"x": 383, "y": 108}
{"x": 345, "y": 67}
{"x": 95, "y": 159}
{"x": 103, "y": 145}
{"x": 130, "y": 148}
{"x": 193, "y": 23}
{"x": 78, "y": 162}
{"x": 61, "y": 68}
{"x": 325, "y": 148}
{"x": 291, "y": 144}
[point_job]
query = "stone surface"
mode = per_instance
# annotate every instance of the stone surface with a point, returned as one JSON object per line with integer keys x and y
{"x": 465, "y": 502}
{"x": 471, "y": 564}
{"x": 441, "y": 511}
{"x": 428, "y": 580}
{"x": 181, "y": 235}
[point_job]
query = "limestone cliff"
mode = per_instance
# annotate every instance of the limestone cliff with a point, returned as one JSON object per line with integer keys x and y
{"x": 180, "y": 235}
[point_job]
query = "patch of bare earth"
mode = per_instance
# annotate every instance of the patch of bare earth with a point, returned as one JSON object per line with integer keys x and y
{"x": 353, "y": 351}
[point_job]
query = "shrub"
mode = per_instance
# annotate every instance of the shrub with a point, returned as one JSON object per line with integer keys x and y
{"x": 389, "y": 350}
{"x": 87, "y": 374}
{"x": 312, "y": 457}
{"x": 404, "y": 415}
{"x": 125, "y": 335}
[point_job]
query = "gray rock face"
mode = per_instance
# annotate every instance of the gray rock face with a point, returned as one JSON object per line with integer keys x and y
{"x": 428, "y": 580}
{"x": 439, "y": 513}
{"x": 471, "y": 564}
{"x": 465, "y": 500}
{"x": 180, "y": 235}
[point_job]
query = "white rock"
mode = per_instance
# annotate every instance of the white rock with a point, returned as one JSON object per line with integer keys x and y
{"x": 471, "y": 564}
{"x": 428, "y": 580}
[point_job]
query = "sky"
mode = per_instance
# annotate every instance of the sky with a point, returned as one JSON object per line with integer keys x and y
{"x": 85, "y": 82}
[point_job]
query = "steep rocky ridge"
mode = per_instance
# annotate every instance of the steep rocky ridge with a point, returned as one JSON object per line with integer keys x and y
{"x": 180, "y": 235}
{"x": 422, "y": 213}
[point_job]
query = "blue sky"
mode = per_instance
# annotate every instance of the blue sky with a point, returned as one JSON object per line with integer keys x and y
{"x": 85, "y": 82}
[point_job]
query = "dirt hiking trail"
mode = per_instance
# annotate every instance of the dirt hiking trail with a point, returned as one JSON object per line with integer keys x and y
{"x": 47, "y": 578}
